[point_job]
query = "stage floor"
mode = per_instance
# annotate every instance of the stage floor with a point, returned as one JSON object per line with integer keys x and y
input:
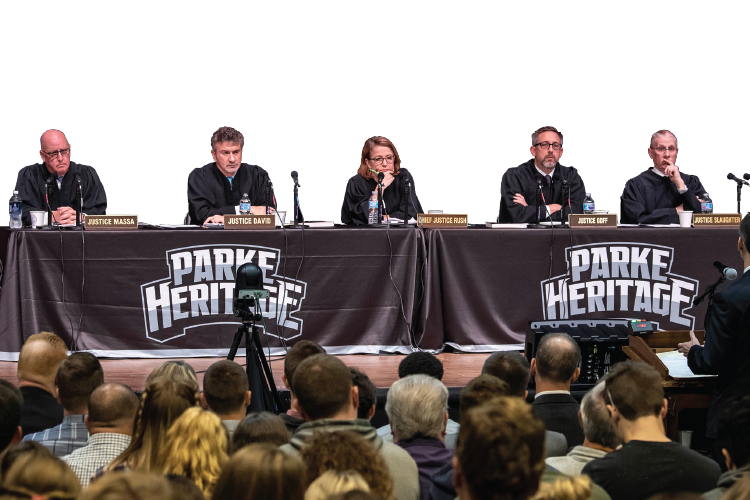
{"x": 382, "y": 370}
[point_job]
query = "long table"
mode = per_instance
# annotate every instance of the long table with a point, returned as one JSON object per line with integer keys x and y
{"x": 357, "y": 290}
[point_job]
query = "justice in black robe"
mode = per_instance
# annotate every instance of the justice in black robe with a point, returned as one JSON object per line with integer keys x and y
{"x": 652, "y": 199}
{"x": 210, "y": 193}
{"x": 31, "y": 187}
{"x": 356, "y": 206}
{"x": 523, "y": 179}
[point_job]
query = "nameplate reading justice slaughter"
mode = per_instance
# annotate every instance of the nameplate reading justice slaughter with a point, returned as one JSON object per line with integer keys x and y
{"x": 249, "y": 222}
{"x": 592, "y": 220}
{"x": 110, "y": 222}
{"x": 703, "y": 220}
{"x": 442, "y": 220}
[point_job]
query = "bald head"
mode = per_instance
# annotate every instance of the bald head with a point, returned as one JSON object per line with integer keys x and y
{"x": 112, "y": 405}
{"x": 557, "y": 357}
{"x": 39, "y": 359}
{"x": 55, "y": 152}
{"x": 52, "y": 137}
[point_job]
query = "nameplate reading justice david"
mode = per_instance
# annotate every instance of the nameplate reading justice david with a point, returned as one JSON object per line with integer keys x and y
{"x": 110, "y": 222}
{"x": 592, "y": 220}
{"x": 705, "y": 220}
{"x": 249, "y": 222}
{"x": 442, "y": 220}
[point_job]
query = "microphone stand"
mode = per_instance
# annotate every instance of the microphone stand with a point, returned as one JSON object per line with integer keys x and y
{"x": 739, "y": 196}
{"x": 380, "y": 201}
{"x": 49, "y": 209}
{"x": 268, "y": 194}
{"x": 538, "y": 204}
{"x": 296, "y": 204}
{"x": 79, "y": 201}
{"x": 710, "y": 290}
{"x": 566, "y": 197}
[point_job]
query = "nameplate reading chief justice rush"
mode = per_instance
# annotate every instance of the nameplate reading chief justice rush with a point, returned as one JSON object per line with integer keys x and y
{"x": 250, "y": 222}
{"x": 716, "y": 220}
{"x": 592, "y": 220}
{"x": 110, "y": 222}
{"x": 442, "y": 220}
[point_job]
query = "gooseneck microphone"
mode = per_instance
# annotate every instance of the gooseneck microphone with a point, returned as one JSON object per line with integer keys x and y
{"x": 746, "y": 177}
{"x": 48, "y": 185}
{"x": 727, "y": 271}
{"x": 734, "y": 178}
{"x": 294, "y": 176}
{"x": 297, "y": 212}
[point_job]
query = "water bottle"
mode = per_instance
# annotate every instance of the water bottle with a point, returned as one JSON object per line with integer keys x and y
{"x": 245, "y": 204}
{"x": 15, "y": 210}
{"x": 588, "y": 204}
{"x": 707, "y": 206}
{"x": 372, "y": 217}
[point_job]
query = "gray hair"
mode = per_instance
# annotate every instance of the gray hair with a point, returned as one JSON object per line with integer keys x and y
{"x": 416, "y": 405}
{"x": 597, "y": 424}
{"x": 660, "y": 133}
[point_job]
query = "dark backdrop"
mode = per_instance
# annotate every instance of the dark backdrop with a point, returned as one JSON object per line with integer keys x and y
{"x": 138, "y": 92}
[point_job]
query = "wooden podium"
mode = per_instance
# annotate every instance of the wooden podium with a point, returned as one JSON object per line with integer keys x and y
{"x": 681, "y": 393}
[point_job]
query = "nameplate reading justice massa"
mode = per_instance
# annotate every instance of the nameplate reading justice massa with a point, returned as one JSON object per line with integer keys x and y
{"x": 110, "y": 222}
{"x": 592, "y": 220}
{"x": 249, "y": 222}
{"x": 703, "y": 220}
{"x": 442, "y": 220}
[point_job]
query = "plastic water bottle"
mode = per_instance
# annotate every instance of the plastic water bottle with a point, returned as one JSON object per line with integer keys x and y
{"x": 372, "y": 217}
{"x": 15, "y": 210}
{"x": 245, "y": 204}
{"x": 707, "y": 206}
{"x": 588, "y": 204}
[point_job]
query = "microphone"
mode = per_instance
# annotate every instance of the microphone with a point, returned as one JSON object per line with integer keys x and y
{"x": 732, "y": 177}
{"x": 294, "y": 176}
{"x": 728, "y": 272}
{"x": 381, "y": 175}
{"x": 50, "y": 180}
{"x": 746, "y": 177}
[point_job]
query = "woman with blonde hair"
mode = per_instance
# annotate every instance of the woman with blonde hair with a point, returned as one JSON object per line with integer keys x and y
{"x": 162, "y": 402}
{"x": 40, "y": 476}
{"x": 333, "y": 482}
{"x": 262, "y": 471}
{"x": 196, "y": 448}
{"x": 173, "y": 368}
{"x": 568, "y": 488}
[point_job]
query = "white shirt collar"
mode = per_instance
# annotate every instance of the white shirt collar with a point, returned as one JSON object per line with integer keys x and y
{"x": 544, "y": 174}
{"x": 746, "y": 270}
{"x": 550, "y": 392}
{"x": 657, "y": 172}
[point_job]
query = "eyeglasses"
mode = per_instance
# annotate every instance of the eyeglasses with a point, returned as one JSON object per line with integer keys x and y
{"x": 380, "y": 159}
{"x": 546, "y": 145}
{"x": 61, "y": 152}
{"x": 662, "y": 149}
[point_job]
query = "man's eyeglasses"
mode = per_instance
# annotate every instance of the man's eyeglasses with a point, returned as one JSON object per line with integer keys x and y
{"x": 380, "y": 159}
{"x": 60, "y": 152}
{"x": 546, "y": 145}
{"x": 662, "y": 149}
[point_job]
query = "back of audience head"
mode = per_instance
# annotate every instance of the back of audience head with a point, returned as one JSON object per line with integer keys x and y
{"x": 39, "y": 359}
{"x": 634, "y": 390}
{"x": 184, "y": 488}
{"x": 501, "y": 431}
{"x": 11, "y": 402}
{"x": 322, "y": 386}
{"x": 557, "y": 359}
{"x": 296, "y": 355}
{"x": 261, "y": 471}
{"x": 512, "y": 368}
{"x": 130, "y": 485}
{"x": 347, "y": 451}
{"x": 367, "y": 395}
{"x": 417, "y": 405}
{"x": 196, "y": 447}
{"x": 733, "y": 432}
{"x": 680, "y": 495}
{"x": 421, "y": 363}
{"x": 162, "y": 402}
{"x": 173, "y": 368}
{"x": 112, "y": 408}
{"x": 225, "y": 389}
{"x": 77, "y": 377}
{"x": 15, "y": 451}
{"x": 333, "y": 482}
{"x": 263, "y": 427}
{"x": 568, "y": 488}
{"x": 355, "y": 495}
{"x": 740, "y": 490}
{"x": 596, "y": 421}
{"x": 480, "y": 390}
{"x": 38, "y": 474}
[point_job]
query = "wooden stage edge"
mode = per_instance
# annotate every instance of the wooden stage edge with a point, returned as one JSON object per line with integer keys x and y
{"x": 383, "y": 370}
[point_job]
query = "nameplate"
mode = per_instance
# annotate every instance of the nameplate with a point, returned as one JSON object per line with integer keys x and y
{"x": 442, "y": 220}
{"x": 249, "y": 222}
{"x": 110, "y": 222}
{"x": 703, "y": 220}
{"x": 592, "y": 220}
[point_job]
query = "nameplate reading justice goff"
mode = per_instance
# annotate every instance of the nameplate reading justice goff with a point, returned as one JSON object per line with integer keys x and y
{"x": 110, "y": 222}
{"x": 249, "y": 222}
{"x": 442, "y": 220}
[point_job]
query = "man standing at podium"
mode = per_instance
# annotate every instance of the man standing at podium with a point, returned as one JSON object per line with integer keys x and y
{"x": 726, "y": 352}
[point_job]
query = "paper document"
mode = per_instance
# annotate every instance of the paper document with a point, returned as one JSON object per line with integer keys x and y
{"x": 677, "y": 365}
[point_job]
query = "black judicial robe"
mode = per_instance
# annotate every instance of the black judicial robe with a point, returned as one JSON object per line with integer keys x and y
{"x": 652, "y": 199}
{"x": 356, "y": 206}
{"x": 210, "y": 193}
{"x": 523, "y": 179}
{"x": 31, "y": 187}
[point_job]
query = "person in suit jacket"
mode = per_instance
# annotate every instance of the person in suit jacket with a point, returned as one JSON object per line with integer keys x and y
{"x": 554, "y": 368}
{"x": 726, "y": 351}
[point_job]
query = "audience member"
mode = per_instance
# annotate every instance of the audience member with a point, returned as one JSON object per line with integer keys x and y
{"x": 554, "y": 368}
{"x": 327, "y": 400}
{"x": 225, "y": 392}
{"x": 600, "y": 436}
{"x": 11, "y": 402}
{"x": 367, "y": 397}
{"x": 110, "y": 420}
{"x": 36, "y": 475}
{"x": 131, "y": 485}
{"x": 343, "y": 451}
{"x": 296, "y": 355}
{"x": 417, "y": 408}
{"x": 566, "y": 488}
{"x": 333, "y": 482}
{"x": 733, "y": 437}
{"x": 162, "y": 402}
{"x": 196, "y": 447}
{"x": 184, "y": 488}
{"x": 422, "y": 363}
{"x": 14, "y": 451}
{"x": 261, "y": 471}
{"x": 263, "y": 427}
{"x": 355, "y": 495}
{"x": 77, "y": 377}
{"x": 648, "y": 462}
{"x": 740, "y": 490}
{"x": 38, "y": 361}
{"x": 512, "y": 368}
{"x": 173, "y": 368}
